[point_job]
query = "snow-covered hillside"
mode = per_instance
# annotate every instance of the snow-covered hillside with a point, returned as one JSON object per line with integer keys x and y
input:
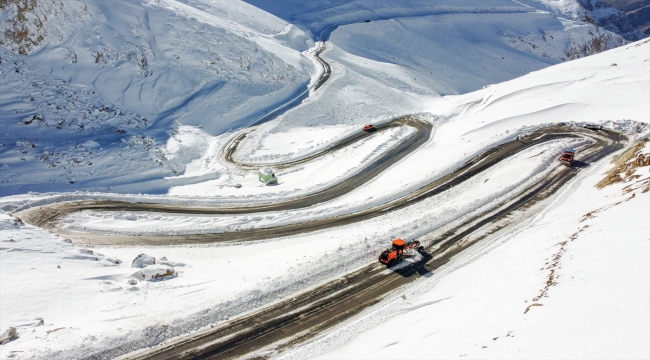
{"x": 123, "y": 98}
{"x": 574, "y": 276}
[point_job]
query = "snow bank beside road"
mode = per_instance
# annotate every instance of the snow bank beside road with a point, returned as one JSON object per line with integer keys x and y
{"x": 266, "y": 147}
{"x": 301, "y": 179}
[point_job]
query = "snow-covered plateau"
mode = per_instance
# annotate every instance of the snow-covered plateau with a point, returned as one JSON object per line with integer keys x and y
{"x": 138, "y": 101}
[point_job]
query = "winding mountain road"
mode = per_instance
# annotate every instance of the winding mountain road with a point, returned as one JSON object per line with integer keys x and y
{"x": 295, "y": 320}
{"x": 292, "y": 321}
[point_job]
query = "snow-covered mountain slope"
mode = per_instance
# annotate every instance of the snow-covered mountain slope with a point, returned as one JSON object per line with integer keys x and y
{"x": 119, "y": 76}
{"x": 148, "y": 85}
{"x": 93, "y": 307}
{"x": 614, "y": 20}
{"x": 166, "y": 60}
{"x": 140, "y": 96}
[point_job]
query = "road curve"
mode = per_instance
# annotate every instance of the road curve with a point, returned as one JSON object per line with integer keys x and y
{"x": 292, "y": 321}
{"x": 49, "y": 216}
{"x": 325, "y": 75}
{"x": 423, "y": 133}
{"x": 327, "y": 68}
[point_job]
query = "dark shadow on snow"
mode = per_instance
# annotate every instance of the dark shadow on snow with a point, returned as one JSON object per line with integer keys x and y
{"x": 422, "y": 267}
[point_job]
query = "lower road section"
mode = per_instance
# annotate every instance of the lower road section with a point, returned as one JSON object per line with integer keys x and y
{"x": 295, "y": 320}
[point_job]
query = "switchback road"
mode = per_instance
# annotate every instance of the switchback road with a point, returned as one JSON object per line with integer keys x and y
{"x": 292, "y": 321}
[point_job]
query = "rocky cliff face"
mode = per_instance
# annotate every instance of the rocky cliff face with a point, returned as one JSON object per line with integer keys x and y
{"x": 637, "y": 11}
{"x": 583, "y": 40}
{"x": 603, "y": 14}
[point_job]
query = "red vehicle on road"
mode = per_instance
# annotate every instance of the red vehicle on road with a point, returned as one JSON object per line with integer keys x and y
{"x": 369, "y": 127}
{"x": 567, "y": 157}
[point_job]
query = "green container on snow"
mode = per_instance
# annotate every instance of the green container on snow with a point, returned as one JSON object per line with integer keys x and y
{"x": 267, "y": 176}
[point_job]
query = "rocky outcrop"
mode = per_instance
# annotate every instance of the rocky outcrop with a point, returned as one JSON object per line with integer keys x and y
{"x": 30, "y": 24}
{"x": 585, "y": 40}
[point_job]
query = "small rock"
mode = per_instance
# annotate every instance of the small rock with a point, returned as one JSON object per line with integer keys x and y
{"x": 142, "y": 261}
{"x": 9, "y": 335}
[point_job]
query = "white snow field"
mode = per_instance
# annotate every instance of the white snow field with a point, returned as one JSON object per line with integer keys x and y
{"x": 134, "y": 101}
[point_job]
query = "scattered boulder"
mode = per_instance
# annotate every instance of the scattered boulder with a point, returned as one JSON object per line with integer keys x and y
{"x": 142, "y": 261}
{"x": 9, "y": 335}
{"x": 155, "y": 272}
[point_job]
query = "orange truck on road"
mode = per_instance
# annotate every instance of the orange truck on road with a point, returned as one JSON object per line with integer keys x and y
{"x": 394, "y": 255}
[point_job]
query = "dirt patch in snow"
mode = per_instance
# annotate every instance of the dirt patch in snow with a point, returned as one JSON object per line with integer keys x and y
{"x": 626, "y": 165}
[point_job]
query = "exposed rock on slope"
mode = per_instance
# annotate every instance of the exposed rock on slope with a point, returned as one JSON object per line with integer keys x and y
{"x": 637, "y": 11}
{"x": 27, "y": 25}
{"x": 616, "y": 21}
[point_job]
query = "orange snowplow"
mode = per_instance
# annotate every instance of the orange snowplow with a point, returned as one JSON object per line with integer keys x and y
{"x": 369, "y": 127}
{"x": 567, "y": 157}
{"x": 394, "y": 255}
